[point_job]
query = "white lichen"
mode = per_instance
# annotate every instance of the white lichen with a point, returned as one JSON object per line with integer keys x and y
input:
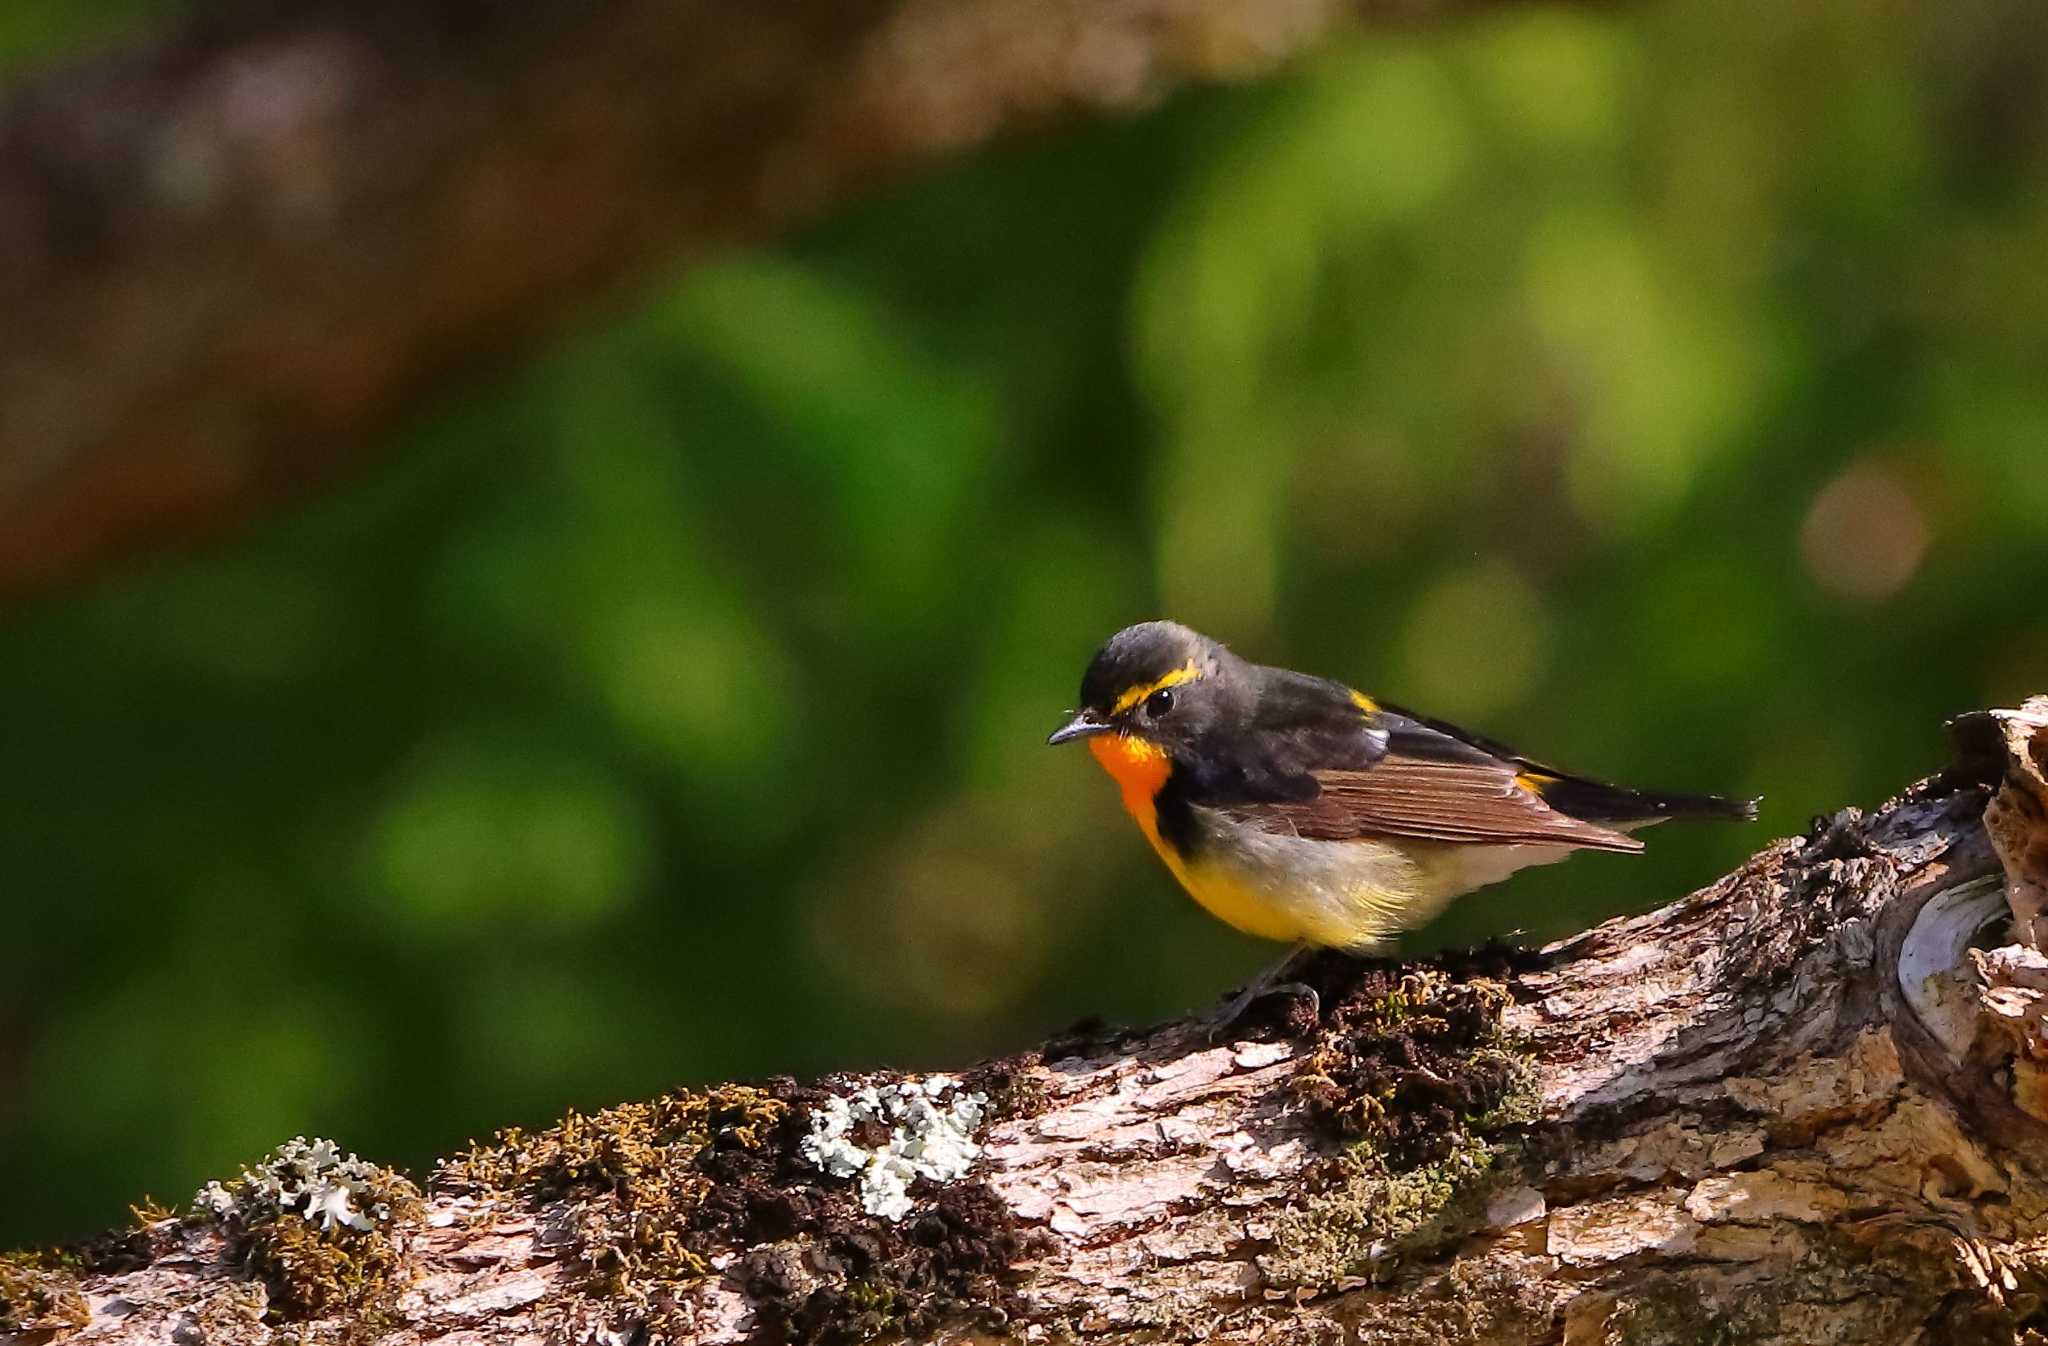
{"x": 214, "y": 1199}
{"x": 311, "y": 1179}
{"x": 929, "y": 1137}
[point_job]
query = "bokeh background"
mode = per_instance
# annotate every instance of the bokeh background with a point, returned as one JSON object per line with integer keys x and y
{"x": 1664, "y": 389}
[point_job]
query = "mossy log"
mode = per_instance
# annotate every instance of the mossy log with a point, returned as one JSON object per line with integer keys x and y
{"x": 234, "y": 261}
{"x": 1805, "y": 1104}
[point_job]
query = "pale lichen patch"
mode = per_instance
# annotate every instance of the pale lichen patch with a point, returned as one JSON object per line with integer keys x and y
{"x": 311, "y": 1179}
{"x": 318, "y": 1225}
{"x": 921, "y": 1129}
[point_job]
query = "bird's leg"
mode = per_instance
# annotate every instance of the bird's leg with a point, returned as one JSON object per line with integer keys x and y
{"x": 1265, "y": 984}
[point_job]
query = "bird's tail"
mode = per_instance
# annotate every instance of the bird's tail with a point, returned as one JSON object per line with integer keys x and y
{"x": 1595, "y": 802}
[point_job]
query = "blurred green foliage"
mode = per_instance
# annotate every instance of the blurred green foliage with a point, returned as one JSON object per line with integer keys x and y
{"x": 1660, "y": 390}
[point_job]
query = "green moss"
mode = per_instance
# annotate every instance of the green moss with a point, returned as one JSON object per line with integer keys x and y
{"x": 1014, "y": 1086}
{"x": 38, "y": 1293}
{"x": 39, "y": 1289}
{"x": 619, "y": 1144}
{"x": 1409, "y": 1059}
{"x": 653, "y": 1164}
{"x": 953, "y": 1263}
{"x": 150, "y": 1211}
{"x": 655, "y": 1190}
{"x": 1467, "y": 1304}
{"x": 1415, "y": 1074}
{"x": 311, "y": 1271}
{"x": 1368, "y": 1214}
{"x": 1670, "y": 1311}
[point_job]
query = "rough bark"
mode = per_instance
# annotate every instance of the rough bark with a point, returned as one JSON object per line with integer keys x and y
{"x": 232, "y": 262}
{"x": 1797, "y": 1106}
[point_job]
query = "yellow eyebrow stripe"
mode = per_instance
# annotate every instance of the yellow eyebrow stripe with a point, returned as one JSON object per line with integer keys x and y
{"x": 1133, "y": 695}
{"x": 1365, "y": 703}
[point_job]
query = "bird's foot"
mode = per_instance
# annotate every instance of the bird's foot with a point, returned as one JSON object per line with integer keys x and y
{"x": 1259, "y": 988}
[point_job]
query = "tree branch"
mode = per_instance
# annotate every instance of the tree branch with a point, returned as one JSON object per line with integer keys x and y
{"x": 234, "y": 262}
{"x": 1796, "y": 1106}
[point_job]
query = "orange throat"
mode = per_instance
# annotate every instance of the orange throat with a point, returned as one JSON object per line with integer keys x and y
{"x": 1139, "y": 769}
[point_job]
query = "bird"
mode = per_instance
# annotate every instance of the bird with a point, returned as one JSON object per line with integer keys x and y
{"x": 1299, "y": 809}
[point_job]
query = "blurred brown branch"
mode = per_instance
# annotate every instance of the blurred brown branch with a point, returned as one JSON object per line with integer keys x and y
{"x": 232, "y": 262}
{"x": 1795, "y": 1106}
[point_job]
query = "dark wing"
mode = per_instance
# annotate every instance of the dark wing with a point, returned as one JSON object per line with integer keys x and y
{"x": 1580, "y": 796}
{"x": 1410, "y": 778}
{"x": 1474, "y": 803}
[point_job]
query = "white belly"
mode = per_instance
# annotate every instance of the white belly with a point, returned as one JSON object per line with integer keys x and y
{"x": 1338, "y": 894}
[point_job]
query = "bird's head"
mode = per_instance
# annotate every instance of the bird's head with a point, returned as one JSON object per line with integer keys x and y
{"x": 1156, "y": 684}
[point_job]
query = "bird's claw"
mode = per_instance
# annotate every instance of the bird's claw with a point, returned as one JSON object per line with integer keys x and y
{"x": 1259, "y": 990}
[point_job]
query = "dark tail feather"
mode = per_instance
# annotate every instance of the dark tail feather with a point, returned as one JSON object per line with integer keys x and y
{"x": 1597, "y": 803}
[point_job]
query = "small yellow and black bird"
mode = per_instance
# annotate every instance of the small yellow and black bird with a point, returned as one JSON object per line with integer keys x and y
{"x": 1298, "y": 809}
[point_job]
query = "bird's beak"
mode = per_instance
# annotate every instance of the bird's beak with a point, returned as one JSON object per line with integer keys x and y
{"x": 1085, "y": 724}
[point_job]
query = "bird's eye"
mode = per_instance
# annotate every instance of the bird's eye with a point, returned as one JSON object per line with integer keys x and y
{"x": 1159, "y": 703}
